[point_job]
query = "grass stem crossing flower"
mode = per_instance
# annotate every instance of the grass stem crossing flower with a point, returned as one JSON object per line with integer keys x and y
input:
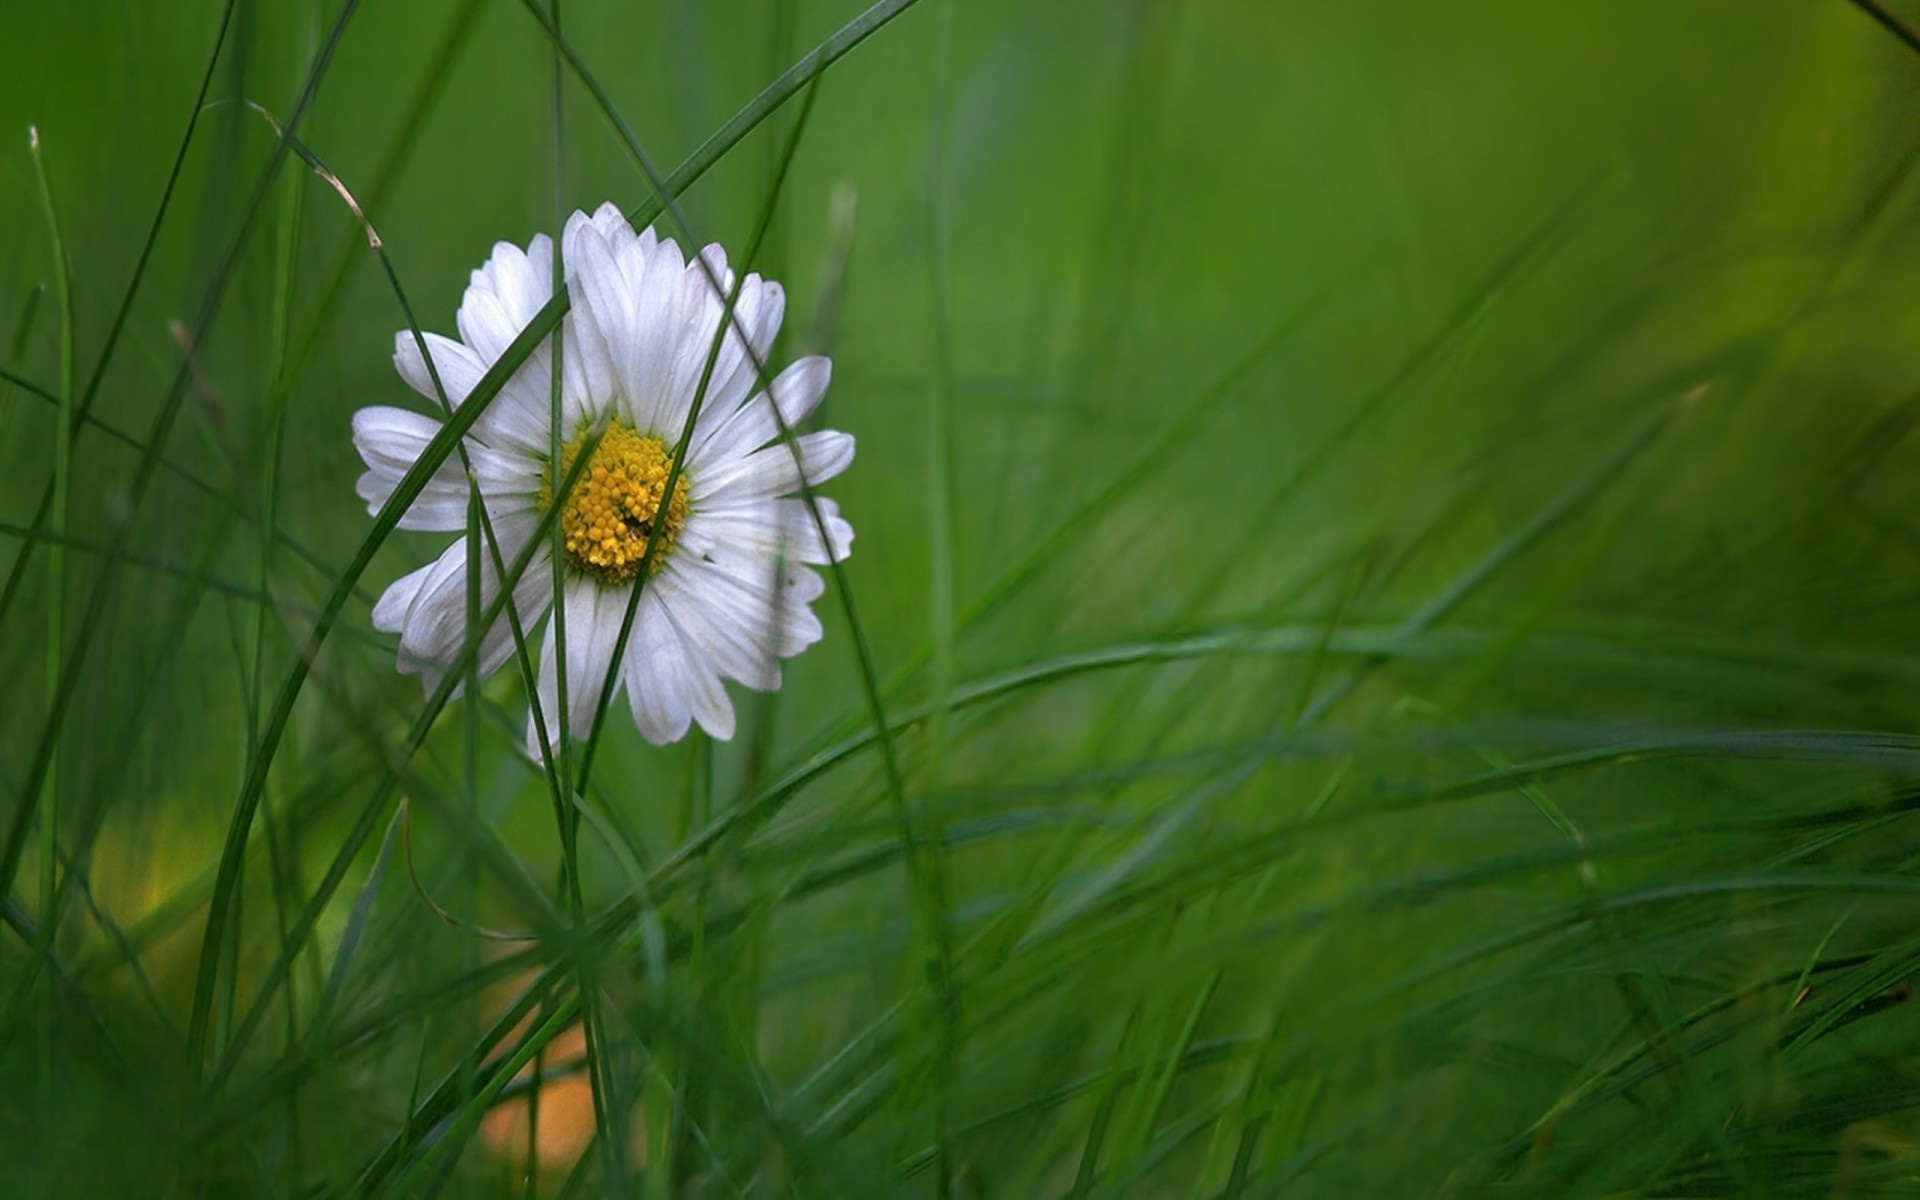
{"x": 721, "y": 563}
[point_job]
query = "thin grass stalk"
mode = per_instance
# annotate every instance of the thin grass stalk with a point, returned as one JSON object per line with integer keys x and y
{"x": 543, "y": 323}
{"x": 17, "y": 349}
{"x": 946, "y": 1014}
{"x": 478, "y": 402}
{"x": 143, "y": 477}
{"x": 386, "y": 176}
{"x": 284, "y": 865}
{"x": 1906, "y": 34}
{"x": 62, "y": 484}
{"x": 614, "y": 1168}
{"x": 929, "y": 900}
{"x": 80, "y": 413}
{"x": 436, "y": 452}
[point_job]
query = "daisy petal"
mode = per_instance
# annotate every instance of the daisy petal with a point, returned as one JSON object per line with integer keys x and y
{"x": 603, "y": 304}
{"x": 776, "y": 470}
{"x": 727, "y": 621}
{"x": 428, "y": 608}
{"x": 540, "y": 715}
{"x": 516, "y": 417}
{"x": 391, "y": 441}
{"x": 656, "y": 335}
{"x": 458, "y": 367}
{"x": 756, "y": 315}
{"x": 656, "y": 674}
{"x": 646, "y": 328}
{"x": 760, "y": 309}
{"x": 769, "y": 529}
{"x": 601, "y": 320}
{"x": 797, "y": 391}
{"x": 593, "y": 616}
{"x": 704, "y": 287}
{"x": 772, "y": 611}
{"x": 706, "y": 695}
{"x": 504, "y": 295}
{"x": 612, "y": 224}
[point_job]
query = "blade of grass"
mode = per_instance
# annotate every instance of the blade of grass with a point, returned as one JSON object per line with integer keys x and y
{"x": 118, "y": 324}
{"x": 449, "y": 441}
{"x": 385, "y": 177}
{"x": 56, "y": 603}
{"x": 1164, "y": 448}
{"x": 1884, "y": 17}
{"x": 17, "y": 348}
{"x": 432, "y": 456}
{"x": 543, "y": 322}
{"x": 154, "y": 445}
{"x": 283, "y": 861}
{"x": 946, "y": 1016}
{"x": 172, "y": 466}
{"x": 1583, "y": 491}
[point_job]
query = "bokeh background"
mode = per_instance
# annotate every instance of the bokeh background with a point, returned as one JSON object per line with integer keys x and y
{"x": 1386, "y": 535}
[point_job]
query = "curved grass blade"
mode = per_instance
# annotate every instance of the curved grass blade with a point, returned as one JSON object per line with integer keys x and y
{"x": 118, "y": 324}
{"x": 542, "y": 324}
{"x": 153, "y": 447}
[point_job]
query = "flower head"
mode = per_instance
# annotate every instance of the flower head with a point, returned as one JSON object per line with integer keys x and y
{"x": 720, "y": 560}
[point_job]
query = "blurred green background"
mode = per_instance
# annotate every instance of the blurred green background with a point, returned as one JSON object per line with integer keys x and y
{"x": 1416, "y": 699}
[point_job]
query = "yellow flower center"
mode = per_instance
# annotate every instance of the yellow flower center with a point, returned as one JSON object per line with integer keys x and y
{"x": 610, "y": 513}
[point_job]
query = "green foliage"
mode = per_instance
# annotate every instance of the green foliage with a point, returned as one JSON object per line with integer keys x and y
{"x": 1379, "y": 656}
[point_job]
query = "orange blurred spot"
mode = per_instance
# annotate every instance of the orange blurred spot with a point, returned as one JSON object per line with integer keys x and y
{"x": 564, "y": 1126}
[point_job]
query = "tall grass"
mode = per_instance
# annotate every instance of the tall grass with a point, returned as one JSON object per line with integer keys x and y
{"x": 1379, "y": 656}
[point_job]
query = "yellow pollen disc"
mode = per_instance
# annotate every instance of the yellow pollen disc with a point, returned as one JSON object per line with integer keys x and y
{"x": 610, "y": 512}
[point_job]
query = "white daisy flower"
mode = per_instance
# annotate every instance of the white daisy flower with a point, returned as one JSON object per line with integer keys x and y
{"x": 728, "y": 594}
